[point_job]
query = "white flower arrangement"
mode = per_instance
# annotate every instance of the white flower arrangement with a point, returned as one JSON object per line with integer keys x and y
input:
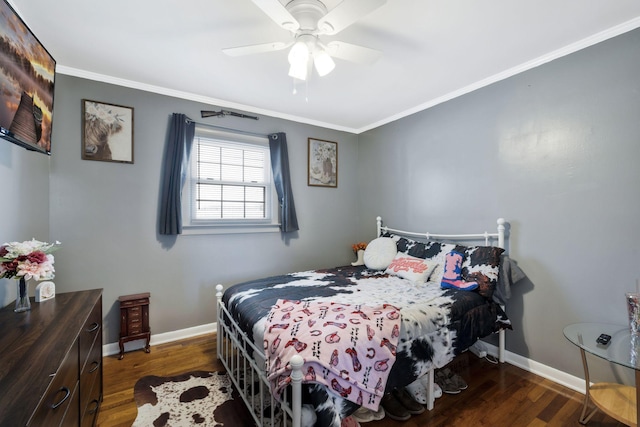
{"x": 31, "y": 259}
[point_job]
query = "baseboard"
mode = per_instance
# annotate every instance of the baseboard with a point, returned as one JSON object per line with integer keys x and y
{"x": 552, "y": 374}
{"x": 114, "y": 348}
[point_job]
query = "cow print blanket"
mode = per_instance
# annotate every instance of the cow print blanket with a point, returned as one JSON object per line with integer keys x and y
{"x": 436, "y": 324}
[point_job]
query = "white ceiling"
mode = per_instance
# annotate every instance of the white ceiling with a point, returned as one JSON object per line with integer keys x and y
{"x": 433, "y": 50}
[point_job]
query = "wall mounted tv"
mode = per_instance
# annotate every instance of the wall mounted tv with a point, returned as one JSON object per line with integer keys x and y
{"x": 27, "y": 73}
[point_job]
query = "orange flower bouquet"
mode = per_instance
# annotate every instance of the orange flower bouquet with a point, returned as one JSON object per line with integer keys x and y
{"x": 359, "y": 247}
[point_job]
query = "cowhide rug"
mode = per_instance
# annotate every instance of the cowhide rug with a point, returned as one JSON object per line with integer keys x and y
{"x": 194, "y": 398}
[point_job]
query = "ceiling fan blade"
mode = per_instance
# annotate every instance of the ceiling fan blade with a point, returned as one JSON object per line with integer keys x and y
{"x": 345, "y": 14}
{"x": 280, "y": 15}
{"x": 353, "y": 53}
{"x": 256, "y": 48}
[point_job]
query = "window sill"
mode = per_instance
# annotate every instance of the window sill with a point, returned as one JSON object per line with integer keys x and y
{"x": 188, "y": 230}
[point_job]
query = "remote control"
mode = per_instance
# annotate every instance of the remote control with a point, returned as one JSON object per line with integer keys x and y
{"x": 603, "y": 339}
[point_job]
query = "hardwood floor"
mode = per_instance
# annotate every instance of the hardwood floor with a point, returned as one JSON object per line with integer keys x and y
{"x": 498, "y": 395}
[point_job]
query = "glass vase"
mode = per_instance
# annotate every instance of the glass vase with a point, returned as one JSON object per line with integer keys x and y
{"x": 22, "y": 300}
{"x": 633, "y": 309}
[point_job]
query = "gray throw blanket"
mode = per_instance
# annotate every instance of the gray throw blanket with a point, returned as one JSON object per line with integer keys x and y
{"x": 509, "y": 274}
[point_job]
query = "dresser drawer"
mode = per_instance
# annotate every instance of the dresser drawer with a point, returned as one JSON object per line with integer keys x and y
{"x": 134, "y": 313}
{"x": 90, "y": 331}
{"x": 59, "y": 405}
{"x": 90, "y": 376}
{"x": 131, "y": 303}
{"x": 93, "y": 400}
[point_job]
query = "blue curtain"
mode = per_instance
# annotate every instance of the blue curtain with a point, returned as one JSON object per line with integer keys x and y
{"x": 176, "y": 161}
{"x": 282, "y": 181}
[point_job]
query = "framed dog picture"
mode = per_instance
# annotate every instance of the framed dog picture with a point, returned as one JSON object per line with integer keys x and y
{"x": 322, "y": 163}
{"x": 107, "y": 132}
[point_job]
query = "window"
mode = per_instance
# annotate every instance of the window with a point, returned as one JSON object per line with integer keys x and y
{"x": 230, "y": 186}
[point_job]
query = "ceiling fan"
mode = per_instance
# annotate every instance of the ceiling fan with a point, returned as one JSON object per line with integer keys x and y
{"x": 308, "y": 20}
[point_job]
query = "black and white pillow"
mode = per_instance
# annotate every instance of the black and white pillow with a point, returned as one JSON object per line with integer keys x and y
{"x": 481, "y": 264}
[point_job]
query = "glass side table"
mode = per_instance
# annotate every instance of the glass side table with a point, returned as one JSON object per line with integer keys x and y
{"x": 620, "y": 402}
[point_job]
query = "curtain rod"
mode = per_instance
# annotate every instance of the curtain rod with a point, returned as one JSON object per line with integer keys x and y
{"x": 242, "y": 132}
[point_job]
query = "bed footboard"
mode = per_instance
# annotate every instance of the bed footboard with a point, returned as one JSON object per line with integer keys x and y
{"x": 234, "y": 349}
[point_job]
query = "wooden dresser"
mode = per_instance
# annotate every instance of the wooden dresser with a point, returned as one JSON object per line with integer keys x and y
{"x": 134, "y": 320}
{"x": 51, "y": 362}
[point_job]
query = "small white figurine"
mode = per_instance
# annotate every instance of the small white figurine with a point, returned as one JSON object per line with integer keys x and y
{"x": 45, "y": 291}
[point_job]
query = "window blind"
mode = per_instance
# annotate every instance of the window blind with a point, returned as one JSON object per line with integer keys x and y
{"x": 231, "y": 180}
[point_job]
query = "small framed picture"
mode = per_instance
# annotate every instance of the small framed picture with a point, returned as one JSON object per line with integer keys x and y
{"x": 107, "y": 132}
{"x": 322, "y": 163}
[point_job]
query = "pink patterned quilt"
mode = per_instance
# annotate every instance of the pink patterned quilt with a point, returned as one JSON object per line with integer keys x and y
{"x": 349, "y": 348}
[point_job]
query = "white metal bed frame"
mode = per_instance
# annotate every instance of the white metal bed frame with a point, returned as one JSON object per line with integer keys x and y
{"x": 234, "y": 350}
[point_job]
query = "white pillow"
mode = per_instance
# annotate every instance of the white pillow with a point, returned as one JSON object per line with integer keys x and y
{"x": 411, "y": 268}
{"x": 379, "y": 253}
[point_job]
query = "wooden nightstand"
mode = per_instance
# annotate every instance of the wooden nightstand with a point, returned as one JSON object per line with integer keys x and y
{"x": 134, "y": 320}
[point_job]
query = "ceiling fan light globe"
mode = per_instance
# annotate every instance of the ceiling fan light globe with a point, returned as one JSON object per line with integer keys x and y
{"x": 299, "y": 53}
{"x": 324, "y": 63}
{"x": 298, "y": 71}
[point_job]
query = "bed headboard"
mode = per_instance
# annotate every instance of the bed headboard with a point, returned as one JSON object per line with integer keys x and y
{"x": 499, "y": 235}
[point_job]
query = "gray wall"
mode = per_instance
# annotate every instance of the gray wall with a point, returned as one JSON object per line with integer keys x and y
{"x": 24, "y": 178}
{"x": 105, "y": 214}
{"x": 555, "y": 151}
